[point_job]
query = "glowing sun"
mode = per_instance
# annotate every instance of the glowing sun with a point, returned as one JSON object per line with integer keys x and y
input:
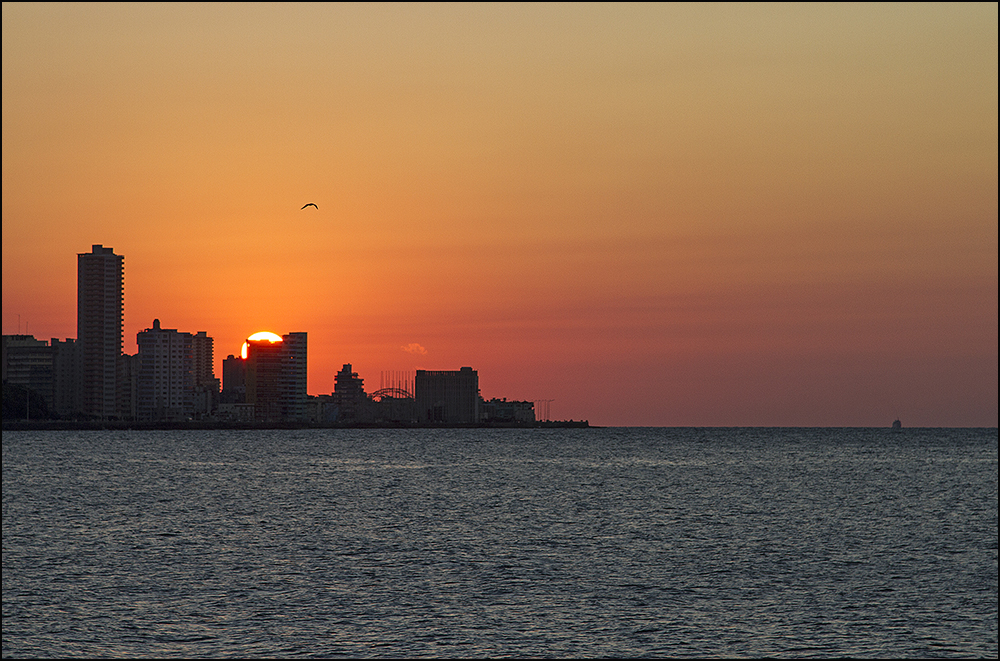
{"x": 262, "y": 335}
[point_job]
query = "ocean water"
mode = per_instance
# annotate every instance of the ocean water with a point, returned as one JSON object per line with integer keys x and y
{"x": 487, "y": 543}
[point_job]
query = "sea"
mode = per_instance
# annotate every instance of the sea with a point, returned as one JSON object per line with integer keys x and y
{"x": 475, "y": 543}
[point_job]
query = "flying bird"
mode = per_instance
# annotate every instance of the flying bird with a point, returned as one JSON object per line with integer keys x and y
{"x": 309, "y": 205}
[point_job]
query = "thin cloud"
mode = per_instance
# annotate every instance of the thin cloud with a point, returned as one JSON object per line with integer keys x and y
{"x": 415, "y": 349}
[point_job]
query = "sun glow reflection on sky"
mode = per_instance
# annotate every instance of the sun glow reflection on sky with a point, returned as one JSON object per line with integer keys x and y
{"x": 260, "y": 335}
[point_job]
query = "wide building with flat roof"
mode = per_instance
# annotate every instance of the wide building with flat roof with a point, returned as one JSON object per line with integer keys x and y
{"x": 447, "y": 396}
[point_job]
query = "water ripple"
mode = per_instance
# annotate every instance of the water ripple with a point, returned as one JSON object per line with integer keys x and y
{"x": 487, "y": 543}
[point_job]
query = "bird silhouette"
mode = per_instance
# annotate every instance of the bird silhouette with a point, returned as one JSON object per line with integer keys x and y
{"x": 309, "y": 205}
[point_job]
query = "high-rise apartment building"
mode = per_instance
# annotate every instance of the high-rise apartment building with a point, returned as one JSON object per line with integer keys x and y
{"x": 206, "y": 386}
{"x": 294, "y": 388}
{"x": 263, "y": 365}
{"x": 100, "y": 316}
{"x": 276, "y": 378}
{"x": 176, "y": 380}
{"x": 203, "y": 348}
{"x": 165, "y": 388}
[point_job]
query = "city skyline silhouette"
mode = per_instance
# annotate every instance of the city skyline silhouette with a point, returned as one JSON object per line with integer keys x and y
{"x": 655, "y": 215}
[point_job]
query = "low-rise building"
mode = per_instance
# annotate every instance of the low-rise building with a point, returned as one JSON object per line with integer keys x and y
{"x": 27, "y": 362}
{"x": 507, "y": 412}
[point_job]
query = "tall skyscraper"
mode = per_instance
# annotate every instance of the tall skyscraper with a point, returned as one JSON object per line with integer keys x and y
{"x": 100, "y": 312}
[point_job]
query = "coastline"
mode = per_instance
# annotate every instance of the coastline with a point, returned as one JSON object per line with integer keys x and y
{"x": 77, "y": 425}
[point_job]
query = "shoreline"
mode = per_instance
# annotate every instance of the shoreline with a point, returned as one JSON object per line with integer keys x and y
{"x": 77, "y": 425}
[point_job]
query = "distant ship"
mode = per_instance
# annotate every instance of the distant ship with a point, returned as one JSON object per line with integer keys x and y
{"x": 896, "y": 424}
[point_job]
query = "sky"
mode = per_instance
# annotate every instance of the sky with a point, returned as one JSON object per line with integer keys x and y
{"x": 649, "y": 214}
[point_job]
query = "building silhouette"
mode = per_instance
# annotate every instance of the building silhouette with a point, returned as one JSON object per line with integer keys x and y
{"x": 27, "y": 362}
{"x": 165, "y": 388}
{"x": 46, "y": 368}
{"x": 175, "y": 378}
{"x": 504, "y": 411}
{"x": 276, "y": 378}
{"x": 294, "y": 377}
{"x": 352, "y": 403}
{"x": 206, "y": 385}
{"x": 99, "y": 321}
{"x": 234, "y": 380}
{"x": 171, "y": 376}
{"x": 128, "y": 386}
{"x": 65, "y": 377}
{"x": 447, "y": 397}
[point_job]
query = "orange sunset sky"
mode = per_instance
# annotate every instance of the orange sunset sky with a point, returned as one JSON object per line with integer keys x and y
{"x": 699, "y": 214}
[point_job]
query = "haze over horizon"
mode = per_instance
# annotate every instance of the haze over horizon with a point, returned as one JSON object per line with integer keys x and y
{"x": 654, "y": 215}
